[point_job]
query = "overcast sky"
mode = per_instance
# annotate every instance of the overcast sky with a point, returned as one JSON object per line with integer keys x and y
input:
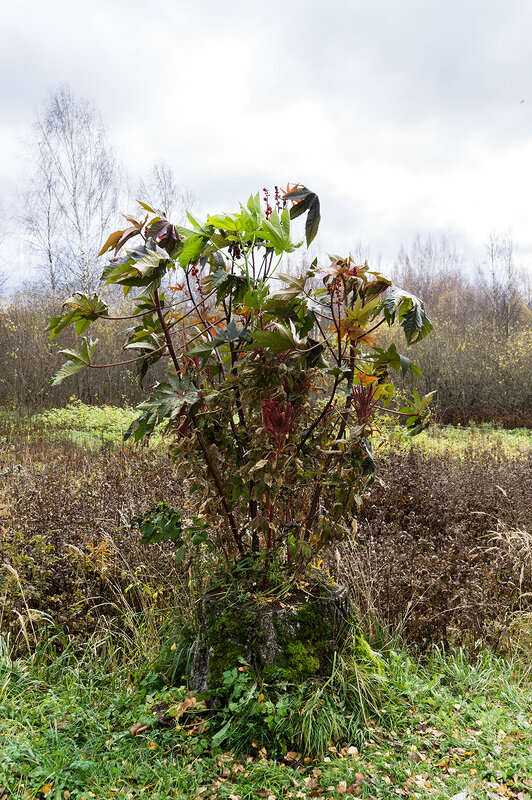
{"x": 405, "y": 116}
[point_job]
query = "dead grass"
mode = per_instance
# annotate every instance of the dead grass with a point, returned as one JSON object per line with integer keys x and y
{"x": 69, "y": 551}
{"x": 425, "y": 560}
{"x": 442, "y": 551}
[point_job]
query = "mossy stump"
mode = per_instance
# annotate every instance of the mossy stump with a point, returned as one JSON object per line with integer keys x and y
{"x": 289, "y": 639}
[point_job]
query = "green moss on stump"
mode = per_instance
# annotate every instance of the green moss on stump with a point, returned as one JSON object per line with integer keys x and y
{"x": 305, "y": 646}
{"x": 228, "y": 640}
{"x": 290, "y": 640}
{"x": 363, "y": 654}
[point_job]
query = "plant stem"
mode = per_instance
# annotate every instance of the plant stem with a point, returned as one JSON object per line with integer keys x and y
{"x": 201, "y": 441}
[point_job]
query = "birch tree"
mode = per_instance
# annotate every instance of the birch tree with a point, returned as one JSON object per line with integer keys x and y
{"x": 162, "y": 191}
{"x": 72, "y": 193}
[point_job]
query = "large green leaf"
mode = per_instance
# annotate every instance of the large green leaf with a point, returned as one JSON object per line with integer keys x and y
{"x": 227, "y": 283}
{"x": 307, "y": 201}
{"x": 232, "y": 333}
{"x": 137, "y": 266}
{"x": 77, "y": 360}
{"x": 395, "y": 360}
{"x": 224, "y": 222}
{"x": 275, "y": 231}
{"x": 410, "y": 312}
{"x": 141, "y": 426}
{"x": 84, "y": 309}
{"x": 192, "y": 249}
{"x": 169, "y": 398}
{"x": 283, "y": 338}
{"x": 418, "y": 411}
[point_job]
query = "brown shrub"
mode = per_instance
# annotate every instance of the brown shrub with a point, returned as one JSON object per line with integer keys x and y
{"x": 423, "y": 559}
{"x": 71, "y": 552}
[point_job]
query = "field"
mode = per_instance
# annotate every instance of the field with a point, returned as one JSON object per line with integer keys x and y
{"x": 96, "y": 630}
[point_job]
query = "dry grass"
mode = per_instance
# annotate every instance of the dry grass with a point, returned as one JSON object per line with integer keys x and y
{"x": 67, "y": 548}
{"x": 425, "y": 559}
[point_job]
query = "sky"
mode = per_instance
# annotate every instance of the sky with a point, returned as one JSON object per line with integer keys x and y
{"x": 404, "y": 116}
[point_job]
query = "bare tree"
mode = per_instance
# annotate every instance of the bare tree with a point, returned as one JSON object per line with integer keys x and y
{"x": 427, "y": 265}
{"x": 3, "y": 274}
{"x": 501, "y": 282}
{"x": 527, "y": 289}
{"x": 162, "y": 192}
{"x": 72, "y": 195}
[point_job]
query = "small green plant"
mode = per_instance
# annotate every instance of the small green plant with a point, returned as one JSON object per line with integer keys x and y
{"x": 273, "y": 381}
{"x": 280, "y": 716}
{"x": 163, "y": 522}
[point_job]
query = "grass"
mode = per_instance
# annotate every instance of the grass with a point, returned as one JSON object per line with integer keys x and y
{"x": 76, "y": 423}
{"x": 457, "y": 442}
{"x": 447, "y": 723}
{"x": 95, "y": 426}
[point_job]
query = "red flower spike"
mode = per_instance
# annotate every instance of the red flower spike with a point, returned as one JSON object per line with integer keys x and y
{"x": 278, "y": 421}
{"x": 364, "y": 402}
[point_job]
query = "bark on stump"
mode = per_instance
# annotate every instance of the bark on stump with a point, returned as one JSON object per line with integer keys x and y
{"x": 290, "y": 639}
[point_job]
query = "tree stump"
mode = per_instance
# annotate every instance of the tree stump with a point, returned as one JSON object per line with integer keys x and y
{"x": 288, "y": 639}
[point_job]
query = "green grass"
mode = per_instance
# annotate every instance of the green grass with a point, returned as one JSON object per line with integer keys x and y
{"x": 457, "y": 442}
{"x": 83, "y": 425}
{"x": 86, "y": 425}
{"x": 446, "y": 723}
{"x": 94, "y": 426}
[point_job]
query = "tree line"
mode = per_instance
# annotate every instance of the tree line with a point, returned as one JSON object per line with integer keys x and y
{"x": 479, "y": 357}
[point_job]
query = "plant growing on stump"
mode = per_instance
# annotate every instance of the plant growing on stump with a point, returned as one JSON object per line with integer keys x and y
{"x": 273, "y": 379}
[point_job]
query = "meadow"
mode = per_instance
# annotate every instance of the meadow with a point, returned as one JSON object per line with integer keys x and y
{"x": 97, "y": 629}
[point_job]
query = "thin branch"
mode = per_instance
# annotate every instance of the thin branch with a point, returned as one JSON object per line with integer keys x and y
{"x": 130, "y": 361}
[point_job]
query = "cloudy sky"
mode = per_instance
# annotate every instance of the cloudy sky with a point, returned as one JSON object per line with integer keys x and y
{"x": 405, "y": 116}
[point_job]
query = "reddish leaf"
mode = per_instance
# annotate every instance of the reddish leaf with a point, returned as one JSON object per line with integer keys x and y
{"x": 111, "y": 242}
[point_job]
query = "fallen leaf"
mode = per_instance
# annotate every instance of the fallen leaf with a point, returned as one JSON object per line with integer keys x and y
{"x": 292, "y": 756}
{"x": 137, "y": 728}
